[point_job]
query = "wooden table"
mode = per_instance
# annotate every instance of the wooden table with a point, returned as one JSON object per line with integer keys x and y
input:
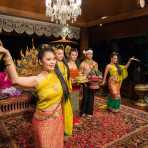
{"x": 16, "y": 104}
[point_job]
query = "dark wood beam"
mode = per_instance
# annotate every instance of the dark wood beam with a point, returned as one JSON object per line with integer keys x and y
{"x": 31, "y": 15}
{"x": 22, "y": 13}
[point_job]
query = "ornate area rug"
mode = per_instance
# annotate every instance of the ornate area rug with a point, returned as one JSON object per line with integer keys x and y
{"x": 16, "y": 131}
{"x": 127, "y": 129}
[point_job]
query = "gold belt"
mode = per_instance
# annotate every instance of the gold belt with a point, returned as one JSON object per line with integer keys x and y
{"x": 44, "y": 115}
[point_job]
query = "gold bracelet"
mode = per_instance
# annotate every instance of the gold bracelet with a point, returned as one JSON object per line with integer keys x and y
{"x": 8, "y": 60}
{"x": 7, "y": 65}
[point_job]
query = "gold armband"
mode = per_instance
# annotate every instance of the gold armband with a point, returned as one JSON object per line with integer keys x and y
{"x": 7, "y": 65}
{"x": 8, "y": 60}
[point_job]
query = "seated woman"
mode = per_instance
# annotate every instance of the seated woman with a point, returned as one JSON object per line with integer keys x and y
{"x": 75, "y": 93}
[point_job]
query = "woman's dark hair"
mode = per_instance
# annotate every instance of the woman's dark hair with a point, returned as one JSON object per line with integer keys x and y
{"x": 65, "y": 62}
{"x": 117, "y": 65}
{"x": 2, "y": 65}
{"x": 63, "y": 83}
{"x": 42, "y": 49}
{"x": 114, "y": 54}
{"x": 57, "y": 71}
{"x": 43, "y": 46}
{"x": 75, "y": 50}
{"x": 60, "y": 47}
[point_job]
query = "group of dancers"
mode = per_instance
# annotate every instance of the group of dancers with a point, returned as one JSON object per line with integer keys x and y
{"x": 61, "y": 101}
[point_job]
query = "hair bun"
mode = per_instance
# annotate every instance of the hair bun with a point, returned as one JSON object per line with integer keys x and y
{"x": 84, "y": 52}
{"x": 114, "y": 53}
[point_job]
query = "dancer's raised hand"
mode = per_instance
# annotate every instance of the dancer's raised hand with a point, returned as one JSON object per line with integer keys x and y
{"x": 134, "y": 59}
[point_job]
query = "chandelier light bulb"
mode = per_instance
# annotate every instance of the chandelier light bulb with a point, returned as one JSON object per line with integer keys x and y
{"x": 62, "y": 11}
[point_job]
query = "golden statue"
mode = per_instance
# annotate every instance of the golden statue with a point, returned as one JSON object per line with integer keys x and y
{"x": 28, "y": 65}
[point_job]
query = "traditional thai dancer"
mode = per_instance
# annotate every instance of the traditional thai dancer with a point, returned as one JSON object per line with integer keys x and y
{"x": 64, "y": 69}
{"x": 75, "y": 93}
{"x": 117, "y": 73}
{"x": 52, "y": 94}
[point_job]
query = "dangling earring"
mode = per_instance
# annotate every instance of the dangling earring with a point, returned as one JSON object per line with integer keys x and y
{"x": 40, "y": 63}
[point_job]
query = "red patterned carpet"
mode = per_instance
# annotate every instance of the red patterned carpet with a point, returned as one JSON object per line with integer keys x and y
{"x": 127, "y": 129}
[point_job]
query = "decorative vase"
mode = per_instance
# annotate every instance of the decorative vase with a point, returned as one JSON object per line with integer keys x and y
{"x": 141, "y": 90}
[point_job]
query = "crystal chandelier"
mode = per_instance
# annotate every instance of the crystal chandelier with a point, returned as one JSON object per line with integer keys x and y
{"x": 61, "y": 11}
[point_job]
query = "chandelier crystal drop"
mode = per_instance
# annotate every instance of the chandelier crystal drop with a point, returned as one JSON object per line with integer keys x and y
{"x": 62, "y": 11}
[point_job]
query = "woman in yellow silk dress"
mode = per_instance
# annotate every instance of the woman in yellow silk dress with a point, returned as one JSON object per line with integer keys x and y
{"x": 52, "y": 90}
{"x": 75, "y": 93}
{"x": 64, "y": 69}
{"x": 117, "y": 73}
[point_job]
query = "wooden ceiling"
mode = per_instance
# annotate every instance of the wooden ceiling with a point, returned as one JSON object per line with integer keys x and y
{"x": 95, "y": 9}
{"x": 92, "y": 10}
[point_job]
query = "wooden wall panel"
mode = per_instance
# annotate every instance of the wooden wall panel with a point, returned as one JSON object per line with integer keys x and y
{"x": 36, "y": 6}
{"x": 92, "y": 10}
{"x": 122, "y": 29}
{"x": 34, "y": 9}
{"x": 84, "y": 39}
